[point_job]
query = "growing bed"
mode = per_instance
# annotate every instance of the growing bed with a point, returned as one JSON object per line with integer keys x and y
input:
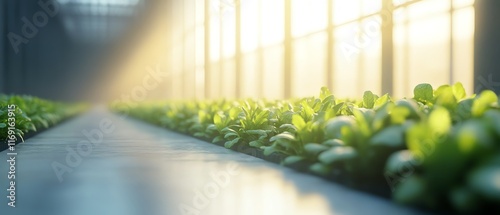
{"x": 23, "y": 116}
{"x": 438, "y": 150}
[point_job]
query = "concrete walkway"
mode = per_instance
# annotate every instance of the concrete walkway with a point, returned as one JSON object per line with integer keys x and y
{"x": 141, "y": 169}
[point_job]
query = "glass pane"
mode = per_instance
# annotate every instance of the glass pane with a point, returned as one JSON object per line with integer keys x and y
{"x": 200, "y": 82}
{"x": 424, "y": 9}
{"x": 214, "y": 38}
{"x": 344, "y": 11}
{"x": 250, "y": 73}
{"x": 272, "y": 21}
{"x": 309, "y": 65}
{"x": 189, "y": 77}
{"x": 177, "y": 85}
{"x": 400, "y": 16}
{"x": 177, "y": 58}
{"x": 189, "y": 65}
{"x": 189, "y": 14}
{"x": 463, "y": 47}
{"x": 308, "y": 16}
{"x": 462, "y": 3}
{"x": 200, "y": 45}
{"x": 399, "y": 2}
{"x": 200, "y": 12}
{"x": 273, "y": 72}
{"x": 371, "y": 6}
{"x": 249, "y": 25}
{"x": 228, "y": 78}
{"x": 346, "y": 68}
{"x": 371, "y": 54}
{"x": 189, "y": 49}
{"x": 214, "y": 79}
{"x": 228, "y": 30}
{"x": 400, "y": 82}
{"x": 429, "y": 66}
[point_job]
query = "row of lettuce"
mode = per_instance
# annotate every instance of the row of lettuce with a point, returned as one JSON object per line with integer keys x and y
{"x": 439, "y": 149}
{"x": 24, "y": 114}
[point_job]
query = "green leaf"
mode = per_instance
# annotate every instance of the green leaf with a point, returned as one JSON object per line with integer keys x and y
{"x": 334, "y": 127}
{"x": 228, "y": 129}
{"x": 368, "y": 99}
{"x": 234, "y": 113}
{"x": 464, "y": 200}
{"x": 381, "y": 101}
{"x": 288, "y": 127}
{"x": 473, "y": 135}
{"x": 199, "y": 134}
{"x": 484, "y": 101}
{"x": 257, "y": 132}
{"x": 493, "y": 117}
{"x": 399, "y": 160}
{"x": 325, "y": 93}
{"x": 417, "y": 138}
{"x": 423, "y": 93}
{"x": 320, "y": 169}
{"x": 255, "y": 143}
{"x": 40, "y": 120}
{"x": 334, "y": 142}
{"x": 327, "y": 102}
{"x": 337, "y": 154}
{"x": 211, "y": 128}
{"x": 486, "y": 182}
{"x": 231, "y": 134}
{"x": 285, "y": 135}
{"x": 292, "y": 159}
{"x": 30, "y": 127}
{"x": 411, "y": 105}
{"x": 442, "y": 89}
{"x": 459, "y": 91}
{"x": 20, "y": 134}
{"x": 391, "y": 136}
{"x": 298, "y": 121}
{"x": 463, "y": 110}
{"x": 231, "y": 143}
{"x": 268, "y": 150}
{"x": 315, "y": 148}
{"x": 217, "y": 139}
{"x": 399, "y": 114}
{"x": 3, "y": 125}
{"x": 262, "y": 115}
{"x": 339, "y": 107}
{"x": 411, "y": 190}
{"x": 218, "y": 121}
{"x": 307, "y": 112}
{"x": 445, "y": 97}
{"x": 440, "y": 120}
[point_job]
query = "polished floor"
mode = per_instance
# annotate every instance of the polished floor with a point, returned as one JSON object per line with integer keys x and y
{"x": 126, "y": 167}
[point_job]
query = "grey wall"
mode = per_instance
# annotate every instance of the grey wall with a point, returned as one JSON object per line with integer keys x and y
{"x": 39, "y": 66}
{"x": 487, "y": 46}
{"x": 51, "y": 65}
{"x": 55, "y": 64}
{"x": 2, "y": 45}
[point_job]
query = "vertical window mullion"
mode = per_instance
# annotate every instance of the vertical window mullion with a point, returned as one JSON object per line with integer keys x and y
{"x": 237, "y": 57}
{"x": 451, "y": 78}
{"x": 260, "y": 52}
{"x": 387, "y": 48}
{"x": 208, "y": 77}
{"x": 361, "y": 69}
{"x": 330, "y": 58}
{"x": 288, "y": 45}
